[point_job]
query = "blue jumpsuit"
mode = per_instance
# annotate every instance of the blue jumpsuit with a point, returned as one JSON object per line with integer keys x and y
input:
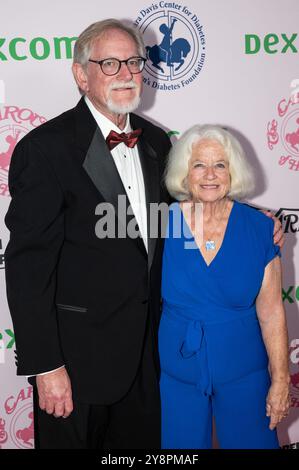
{"x": 213, "y": 359}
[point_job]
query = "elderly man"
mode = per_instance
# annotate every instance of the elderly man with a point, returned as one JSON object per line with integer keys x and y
{"x": 86, "y": 308}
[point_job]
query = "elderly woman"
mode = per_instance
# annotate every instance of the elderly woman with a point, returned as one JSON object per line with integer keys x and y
{"x": 223, "y": 336}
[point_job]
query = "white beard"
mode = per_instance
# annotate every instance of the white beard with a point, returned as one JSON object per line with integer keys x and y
{"x": 122, "y": 108}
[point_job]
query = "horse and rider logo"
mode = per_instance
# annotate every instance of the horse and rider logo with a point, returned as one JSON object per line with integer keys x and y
{"x": 9, "y": 136}
{"x": 283, "y": 132}
{"x": 16, "y": 421}
{"x": 15, "y": 122}
{"x": 175, "y": 46}
{"x": 172, "y": 53}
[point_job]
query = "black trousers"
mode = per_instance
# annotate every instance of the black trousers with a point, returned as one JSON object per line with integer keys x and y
{"x": 132, "y": 423}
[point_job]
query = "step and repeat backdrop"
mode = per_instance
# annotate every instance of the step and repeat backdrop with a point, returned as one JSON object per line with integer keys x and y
{"x": 234, "y": 63}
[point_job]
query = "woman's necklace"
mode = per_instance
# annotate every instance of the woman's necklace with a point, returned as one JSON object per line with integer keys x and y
{"x": 210, "y": 244}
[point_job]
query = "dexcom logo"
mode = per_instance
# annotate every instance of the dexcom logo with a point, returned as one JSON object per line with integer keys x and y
{"x": 271, "y": 43}
{"x": 37, "y": 48}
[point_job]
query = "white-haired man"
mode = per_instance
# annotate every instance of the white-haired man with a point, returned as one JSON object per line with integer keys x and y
{"x": 86, "y": 309}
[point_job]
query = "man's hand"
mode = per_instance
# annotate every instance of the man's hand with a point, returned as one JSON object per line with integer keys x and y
{"x": 55, "y": 393}
{"x": 278, "y": 235}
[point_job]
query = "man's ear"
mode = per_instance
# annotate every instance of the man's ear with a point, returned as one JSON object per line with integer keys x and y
{"x": 80, "y": 77}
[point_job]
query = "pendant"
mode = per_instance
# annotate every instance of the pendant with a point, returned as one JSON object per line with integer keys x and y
{"x": 210, "y": 245}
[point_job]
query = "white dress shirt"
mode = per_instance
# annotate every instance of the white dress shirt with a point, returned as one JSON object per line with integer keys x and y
{"x": 129, "y": 168}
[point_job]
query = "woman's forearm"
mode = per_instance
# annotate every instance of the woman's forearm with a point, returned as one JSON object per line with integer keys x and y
{"x": 274, "y": 331}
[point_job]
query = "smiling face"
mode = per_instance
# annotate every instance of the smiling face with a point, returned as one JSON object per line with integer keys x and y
{"x": 116, "y": 94}
{"x": 208, "y": 176}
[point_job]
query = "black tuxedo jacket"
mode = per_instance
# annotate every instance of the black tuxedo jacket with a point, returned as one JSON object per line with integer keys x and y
{"x": 76, "y": 299}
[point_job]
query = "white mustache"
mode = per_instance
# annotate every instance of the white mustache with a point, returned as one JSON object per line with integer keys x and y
{"x": 117, "y": 85}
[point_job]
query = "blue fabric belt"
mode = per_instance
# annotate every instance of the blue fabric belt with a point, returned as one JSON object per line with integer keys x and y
{"x": 195, "y": 343}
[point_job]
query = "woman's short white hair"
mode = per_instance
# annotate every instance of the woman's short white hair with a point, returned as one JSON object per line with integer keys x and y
{"x": 242, "y": 180}
{"x": 83, "y": 45}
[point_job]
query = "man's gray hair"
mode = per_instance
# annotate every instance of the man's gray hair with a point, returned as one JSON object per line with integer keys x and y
{"x": 242, "y": 180}
{"x": 83, "y": 45}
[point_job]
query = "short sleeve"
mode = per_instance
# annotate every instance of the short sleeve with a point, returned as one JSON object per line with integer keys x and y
{"x": 271, "y": 250}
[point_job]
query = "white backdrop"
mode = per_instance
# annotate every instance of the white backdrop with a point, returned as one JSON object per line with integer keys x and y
{"x": 252, "y": 90}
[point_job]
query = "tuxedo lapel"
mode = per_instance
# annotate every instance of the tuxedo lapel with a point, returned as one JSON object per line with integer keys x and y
{"x": 95, "y": 157}
{"x": 150, "y": 169}
{"x": 101, "y": 169}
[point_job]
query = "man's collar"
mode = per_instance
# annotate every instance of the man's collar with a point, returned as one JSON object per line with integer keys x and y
{"x": 103, "y": 122}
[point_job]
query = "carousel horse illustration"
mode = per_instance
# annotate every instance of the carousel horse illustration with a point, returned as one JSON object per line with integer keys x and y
{"x": 167, "y": 51}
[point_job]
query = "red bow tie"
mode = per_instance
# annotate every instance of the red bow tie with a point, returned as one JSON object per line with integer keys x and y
{"x": 130, "y": 139}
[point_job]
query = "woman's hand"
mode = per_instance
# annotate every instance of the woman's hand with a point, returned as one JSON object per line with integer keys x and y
{"x": 278, "y": 402}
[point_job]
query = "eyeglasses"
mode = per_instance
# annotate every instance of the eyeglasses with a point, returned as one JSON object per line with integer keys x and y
{"x": 111, "y": 66}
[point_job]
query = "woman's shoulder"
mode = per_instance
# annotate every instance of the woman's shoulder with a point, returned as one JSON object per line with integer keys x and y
{"x": 256, "y": 219}
{"x": 253, "y": 213}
